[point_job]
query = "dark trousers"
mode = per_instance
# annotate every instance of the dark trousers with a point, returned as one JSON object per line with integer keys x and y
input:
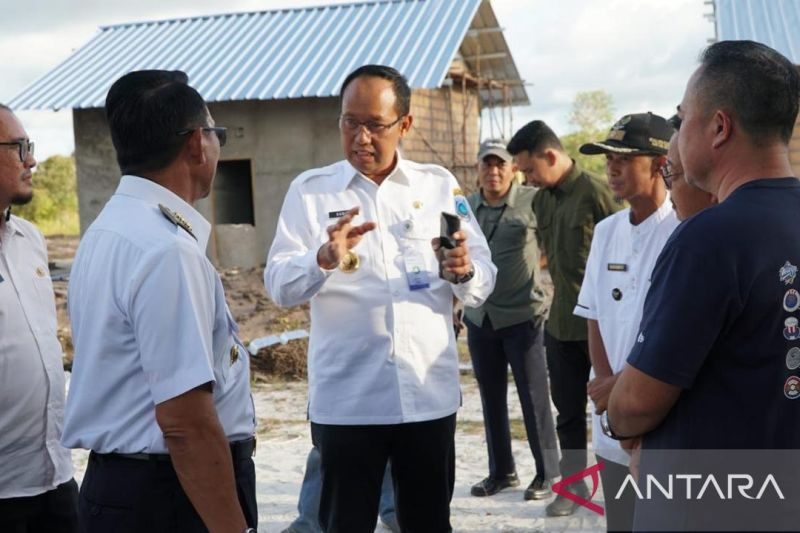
{"x": 492, "y": 351}
{"x": 619, "y": 513}
{"x": 569, "y": 364}
{"x": 353, "y": 463}
{"x": 133, "y": 495}
{"x": 55, "y": 511}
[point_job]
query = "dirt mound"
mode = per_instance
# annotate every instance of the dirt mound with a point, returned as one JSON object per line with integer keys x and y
{"x": 255, "y": 313}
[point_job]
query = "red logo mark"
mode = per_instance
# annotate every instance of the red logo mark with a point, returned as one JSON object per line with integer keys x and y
{"x": 593, "y": 471}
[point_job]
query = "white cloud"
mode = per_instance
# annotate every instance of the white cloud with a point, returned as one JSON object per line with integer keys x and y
{"x": 641, "y": 52}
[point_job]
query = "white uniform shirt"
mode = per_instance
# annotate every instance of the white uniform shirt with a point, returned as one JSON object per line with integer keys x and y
{"x": 149, "y": 322}
{"x": 379, "y": 353}
{"x": 621, "y": 261}
{"x": 32, "y": 461}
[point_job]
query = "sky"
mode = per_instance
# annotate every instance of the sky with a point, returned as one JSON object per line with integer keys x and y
{"x": 640, "y": 52}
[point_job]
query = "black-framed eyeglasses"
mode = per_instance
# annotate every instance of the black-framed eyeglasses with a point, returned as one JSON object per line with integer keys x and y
{"x": 219, "y": 131}
{"x": 351, "y": 125}
{"x": 669, "y": 173}
{"x": 25, "y": 147}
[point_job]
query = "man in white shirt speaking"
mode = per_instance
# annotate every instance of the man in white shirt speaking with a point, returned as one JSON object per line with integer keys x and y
{"x": 37, "y": 492}
{"x": 624, "y": 250}
{"x": 359, "y": 240}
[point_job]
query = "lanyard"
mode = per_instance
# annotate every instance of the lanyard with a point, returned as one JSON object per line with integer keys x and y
{"x": 496, "y": 223}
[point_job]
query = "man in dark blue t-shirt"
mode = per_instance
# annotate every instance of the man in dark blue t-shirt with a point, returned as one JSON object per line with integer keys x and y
{"x": 715, "y": 365}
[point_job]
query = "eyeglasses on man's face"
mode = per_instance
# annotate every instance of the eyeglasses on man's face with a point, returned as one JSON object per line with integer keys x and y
{"x": 351, "y": 125}
{"x": 669, "y": 173}
{"x": 219, "y": 131}
{"x": 25, "y": 147}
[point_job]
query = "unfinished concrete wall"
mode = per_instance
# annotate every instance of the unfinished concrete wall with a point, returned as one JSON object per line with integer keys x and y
{"x": 96, "y": 163}
{"x": 445, "y": 131}
{"x": 281, "y": 139}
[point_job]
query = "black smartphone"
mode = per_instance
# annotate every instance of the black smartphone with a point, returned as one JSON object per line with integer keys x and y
{"x": 449, "y": 225}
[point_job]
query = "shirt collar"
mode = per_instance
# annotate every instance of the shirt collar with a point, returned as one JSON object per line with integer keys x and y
{"x": 400, "y": 174}
{"x": 153, "y": 193}
{"x": 663, "y": 211}
{"x": 510, "y": 199}
{"x": 11, "y": 226}
{"x": 568, "y": 183}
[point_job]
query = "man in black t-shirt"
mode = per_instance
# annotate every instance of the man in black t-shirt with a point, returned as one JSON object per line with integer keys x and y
{"x": 713, "y": 365}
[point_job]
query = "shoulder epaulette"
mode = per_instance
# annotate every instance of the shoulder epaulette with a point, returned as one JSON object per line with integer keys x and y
{"x": 177, "y": 219}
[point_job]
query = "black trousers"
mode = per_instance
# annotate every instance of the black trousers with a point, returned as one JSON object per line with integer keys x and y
{"x": 133, "y": 495}
{"x": 492, "y": 351}
{"x": 619, "y": 512}
{"x": 55, "y": 511}
{"x": 353, "y": 463}
{"x": 569, "y": 364}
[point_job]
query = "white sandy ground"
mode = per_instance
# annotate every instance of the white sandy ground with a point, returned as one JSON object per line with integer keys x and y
{"x": 284, "y": 443}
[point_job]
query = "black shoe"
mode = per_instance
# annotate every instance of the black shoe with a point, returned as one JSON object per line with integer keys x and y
{"x": 539, "y": 489}
{"x": 562, "y": 506}
{"x": 489, "y": 486}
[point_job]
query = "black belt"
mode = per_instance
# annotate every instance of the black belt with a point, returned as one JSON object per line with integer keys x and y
{"x": 241, "y": 449}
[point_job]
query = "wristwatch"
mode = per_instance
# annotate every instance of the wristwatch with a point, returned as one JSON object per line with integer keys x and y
{"x": 466, "y": 277}
{"x": 607, "y": 431}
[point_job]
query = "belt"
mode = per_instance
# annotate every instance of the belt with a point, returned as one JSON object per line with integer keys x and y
{"x": 241, "y": 449}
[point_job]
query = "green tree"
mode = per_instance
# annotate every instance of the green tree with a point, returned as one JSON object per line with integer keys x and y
{"x": 54, "y": 208}
{"x": 592, "y": 114}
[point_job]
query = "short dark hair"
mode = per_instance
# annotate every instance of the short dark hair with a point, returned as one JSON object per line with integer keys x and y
{"x": 399, "y": 84}
{"x": 535, "y": 137}
{"x": 145, "y": 109}
{"x": 755, "y": 83}
{"x": 4, "y": 107}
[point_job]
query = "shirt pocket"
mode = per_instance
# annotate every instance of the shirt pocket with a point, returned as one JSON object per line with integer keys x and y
{"x": 513, "y": 234}
{"x": 415, "y": 236}
{"x": 46, "y": 300}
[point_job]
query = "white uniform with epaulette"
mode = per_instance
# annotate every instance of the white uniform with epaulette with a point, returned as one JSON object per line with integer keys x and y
{"x": 382, "y": 347}
{"x": 149, "y": 323}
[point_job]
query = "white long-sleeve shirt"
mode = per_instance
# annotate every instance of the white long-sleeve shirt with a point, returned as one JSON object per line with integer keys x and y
{"x": 32, "y": 461}
{"x": 379, "y": 352}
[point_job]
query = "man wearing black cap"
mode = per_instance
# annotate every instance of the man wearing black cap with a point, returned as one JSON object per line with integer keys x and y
{"x": 508, "y": 328}
{"x": 624, "y": 249}
{"x": 568, "y": 205}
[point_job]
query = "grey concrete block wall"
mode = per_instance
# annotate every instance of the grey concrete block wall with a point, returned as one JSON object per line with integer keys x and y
{"x": 281, "y": 138}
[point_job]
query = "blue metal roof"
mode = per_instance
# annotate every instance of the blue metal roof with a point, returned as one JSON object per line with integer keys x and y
{"x": 772, "y": 22}
{"x": 287, "y": 53}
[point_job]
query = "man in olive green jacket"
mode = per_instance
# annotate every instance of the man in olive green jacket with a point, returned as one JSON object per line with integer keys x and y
{"x": 568, "y": 205}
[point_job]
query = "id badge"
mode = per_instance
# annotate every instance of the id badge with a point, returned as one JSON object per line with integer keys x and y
{"x": 416, "y": 274}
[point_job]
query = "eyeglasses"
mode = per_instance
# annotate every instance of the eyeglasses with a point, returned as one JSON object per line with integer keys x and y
{"x": 25, "y": 148}
{"x": 669, "y": 174}
{"x": 351, "y": 125}
{"x": 219, "y": 131}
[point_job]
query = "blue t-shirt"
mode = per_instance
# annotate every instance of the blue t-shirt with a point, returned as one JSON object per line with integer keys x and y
{"x": 721, "y": 322}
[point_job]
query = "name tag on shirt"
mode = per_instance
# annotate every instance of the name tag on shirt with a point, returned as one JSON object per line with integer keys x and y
{"x": 618, "y": 267}
{"x": 337, "y": 214}
{"x": 416, "y": 274}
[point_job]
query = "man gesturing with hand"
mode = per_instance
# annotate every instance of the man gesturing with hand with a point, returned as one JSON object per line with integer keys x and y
{"x": 358, "y": 240}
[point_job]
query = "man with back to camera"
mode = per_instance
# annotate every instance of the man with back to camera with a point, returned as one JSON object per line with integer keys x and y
{"x": 624, "y": 249}
{"x": 727, "y": 283}
{"x": 507, "y": 329}
{"x": 37, "y": 492}
{"x": 160, "y": 389}
{"x": 569, "y": 204}
{"x": 357, "y": 240}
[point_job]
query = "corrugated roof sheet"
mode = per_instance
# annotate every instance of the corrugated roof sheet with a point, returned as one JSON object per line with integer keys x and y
{"x": 288, "y": 53}
{"x": 772, "y": 22}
